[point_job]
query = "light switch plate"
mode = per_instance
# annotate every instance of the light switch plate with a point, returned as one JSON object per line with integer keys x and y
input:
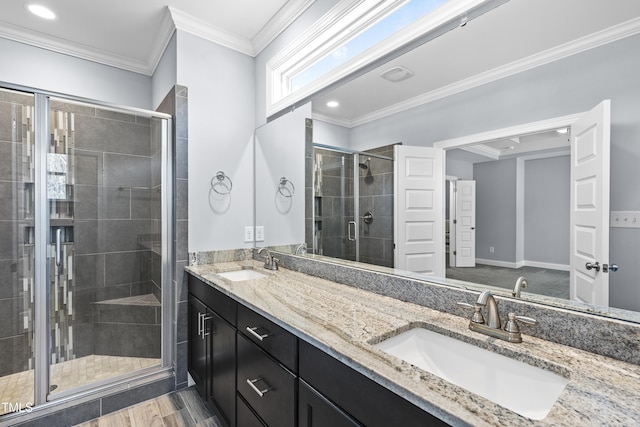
{"x": 260, "y": 233}
{"x": 624, "y": 219}
{"x": 248, "y": 233}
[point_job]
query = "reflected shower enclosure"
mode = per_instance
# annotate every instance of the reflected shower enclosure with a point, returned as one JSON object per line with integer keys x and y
{"x": 92, "y": 190}
{"x": 353, "y": 204}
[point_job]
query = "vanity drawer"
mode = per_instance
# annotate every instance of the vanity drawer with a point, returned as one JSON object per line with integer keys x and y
{"x": 245, "y": 416}
{"x": 275, "y": 340}
{"x": 222, "y": 304}
{"x": 266, "y": 386}
{"x": 367, "y": 401}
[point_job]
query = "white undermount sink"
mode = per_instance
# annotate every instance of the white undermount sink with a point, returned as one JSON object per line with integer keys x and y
{"x": 240, "y": 275}
{"x": 520, "y": 387}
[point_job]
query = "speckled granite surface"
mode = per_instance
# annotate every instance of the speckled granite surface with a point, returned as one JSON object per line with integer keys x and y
{"x": 345, "y": 321}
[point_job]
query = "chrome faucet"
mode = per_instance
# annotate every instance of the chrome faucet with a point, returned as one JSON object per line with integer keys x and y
{"x": 491, "y": 326}
{"x": 271, "y": 262}
{"x": 301, "y": 249}
{"x": 520, "y": 284}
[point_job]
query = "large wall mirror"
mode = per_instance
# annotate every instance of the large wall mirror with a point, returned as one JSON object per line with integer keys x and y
{"x": 523, "y": 63}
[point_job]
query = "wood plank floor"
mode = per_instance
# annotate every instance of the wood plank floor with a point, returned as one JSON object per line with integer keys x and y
{"x": 182, "y": 408}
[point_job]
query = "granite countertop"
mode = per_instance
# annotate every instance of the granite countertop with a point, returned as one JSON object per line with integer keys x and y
{"x": 346, "y": 322}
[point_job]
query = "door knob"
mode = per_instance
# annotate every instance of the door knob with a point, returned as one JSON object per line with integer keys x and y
{"x": 609, "y": 268}
{"x": 595, "y": 266}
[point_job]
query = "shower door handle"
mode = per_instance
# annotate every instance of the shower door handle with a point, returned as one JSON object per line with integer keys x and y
{"x": 352, "y": 223}
{"x": 58, "y": 247}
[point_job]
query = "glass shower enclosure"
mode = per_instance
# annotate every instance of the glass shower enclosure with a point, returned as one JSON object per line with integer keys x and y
{"x": 84, "y": 245}
{"x": 353, "y": 204}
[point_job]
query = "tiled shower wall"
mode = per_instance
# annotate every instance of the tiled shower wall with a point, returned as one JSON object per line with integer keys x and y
{"x": 113, "y": 232}
{"x": 16, "y": 217}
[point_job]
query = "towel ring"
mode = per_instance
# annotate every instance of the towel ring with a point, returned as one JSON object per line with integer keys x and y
{"x": 221, "y": 178}
{"x": 287, "y": 186}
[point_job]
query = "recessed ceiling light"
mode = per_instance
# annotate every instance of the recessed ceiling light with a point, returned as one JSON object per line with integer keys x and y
{"x": 41, "y": 11}
{"x": 333, "y": 104}
{"x": 562, "y": 131}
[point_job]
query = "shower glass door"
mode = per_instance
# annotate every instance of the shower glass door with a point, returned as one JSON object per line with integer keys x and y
{"x": 353, "y": 204}
{"x": 84, "y": 226}
{"x": 103, "y": 185}
{"x": 17, "y": 264}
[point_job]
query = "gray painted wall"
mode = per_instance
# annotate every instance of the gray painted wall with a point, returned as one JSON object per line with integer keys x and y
{"x": 546, "y": 210}
{"x": 496, "y": 210}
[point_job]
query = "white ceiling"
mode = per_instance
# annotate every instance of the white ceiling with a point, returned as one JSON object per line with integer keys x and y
{"x": 132, "y": 34}
{"x": 515, "y": 36}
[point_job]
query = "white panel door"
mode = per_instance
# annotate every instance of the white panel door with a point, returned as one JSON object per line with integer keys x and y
{"x": 465, "y": 217}
{"x": 419, "y": 210}
{"x": 590, "y": 137}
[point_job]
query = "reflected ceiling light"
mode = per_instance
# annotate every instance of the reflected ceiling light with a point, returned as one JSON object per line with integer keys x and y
{"x": 397, "y": 74}
{"x": 333, "y": 104}
{"x": 41, "y": 11}
{"x": 562, "y": 131}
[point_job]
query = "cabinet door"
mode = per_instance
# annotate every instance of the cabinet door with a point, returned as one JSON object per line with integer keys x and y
{"x": 314, "y": 410}
{"x": 223, "y": 368}
{"x": 198, "y": 362}
{"x": 246, "y": 417}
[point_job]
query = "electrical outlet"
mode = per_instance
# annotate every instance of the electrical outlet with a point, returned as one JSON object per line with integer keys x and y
{"x": 260, "y": 233}
{"x": 248, "y": 233}
{"x": 492, "y": 249}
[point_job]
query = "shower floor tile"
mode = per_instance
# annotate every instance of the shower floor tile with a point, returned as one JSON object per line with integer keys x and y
{"x": 18, "y": 388}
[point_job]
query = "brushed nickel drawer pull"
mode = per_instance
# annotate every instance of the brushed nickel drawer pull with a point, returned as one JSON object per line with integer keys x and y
{"x": 253, "y": 332}
{"x": 259, "y": 392}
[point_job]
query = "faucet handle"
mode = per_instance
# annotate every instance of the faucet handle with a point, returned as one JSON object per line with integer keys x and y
{"x": 477, "y": 314}
{"x": 512, "y": 324}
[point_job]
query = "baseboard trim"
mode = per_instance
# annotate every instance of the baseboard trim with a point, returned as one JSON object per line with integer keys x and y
{"x": 525, "y": 263}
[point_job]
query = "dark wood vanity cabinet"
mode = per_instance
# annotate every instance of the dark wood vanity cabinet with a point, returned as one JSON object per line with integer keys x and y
{"x": 212, "y": 348}
{"x": 255, "y": 373}
{"x": 365, "y": 400}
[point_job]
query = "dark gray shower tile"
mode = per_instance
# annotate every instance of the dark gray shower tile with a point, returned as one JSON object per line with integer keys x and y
{"x": 126, "y": 339}
{"x": 127, "y": 267}
{"x": 126, "y": 235}
{"x": 10, "y": 158}
{"x": 89, "y": 165}
{"x": 115, "y": 115}
{"x": 383, "y": 205}
{"x": 167, "y": 105}
{"x": 182, "y": 158}
{"x": 86, "y": 202}
{"x": 11, "y": 317}
{"x": 84, "y": 305}
{"x": 182, "y": 321}
{"x": 182, "y": 240}
{"x": 116, "y": 203}
{"x": 101, "y": 134}
{"x": 16, "y": 351}
{"x": 182, "y": 111}
{"x": 135, "y": 395}
{"x": 89, "y": 271}
{"x": 141, "y": 202}
{"x": 6, "y": 121}
{"x": 127, "y": 171}
{"x": 182, "y": 199}
{"x": 127, "y": 314}
{"x": 387, "y": 186}
{"x": 382, "y": 227}
{"x": 156, "y": 169}
{"x": 78, "y": 109}
{"x": 9, "y": 240}
{"x": 83, "y": 334}
{"x": 10, "y": 287}
{"x": 11, "y": 193}
{"x": 88, "y": 236}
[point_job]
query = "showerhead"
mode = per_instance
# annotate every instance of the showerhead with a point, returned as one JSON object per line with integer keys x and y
{"x": 365, "y": 164}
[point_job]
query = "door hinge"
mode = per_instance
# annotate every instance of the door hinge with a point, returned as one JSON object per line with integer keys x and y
{"x": 455, "y": 221}
{"x": 454, "y": 252}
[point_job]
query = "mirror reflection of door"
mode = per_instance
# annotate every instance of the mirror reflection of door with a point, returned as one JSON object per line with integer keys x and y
{"x": 464, "y": 221}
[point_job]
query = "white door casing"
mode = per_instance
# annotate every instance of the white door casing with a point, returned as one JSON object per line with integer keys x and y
{"x": 590, "y": 163}
{"x": 419, "y": 209}
{"x": 465, "y": 217}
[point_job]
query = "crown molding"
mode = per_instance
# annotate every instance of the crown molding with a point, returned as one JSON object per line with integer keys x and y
{"x": 163, "y": 37}
{"x": 200, "y": 28}
{"x": 601, "y": 38}
{"x": 77, "y": 50}
{"x": 281, "y": 20}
